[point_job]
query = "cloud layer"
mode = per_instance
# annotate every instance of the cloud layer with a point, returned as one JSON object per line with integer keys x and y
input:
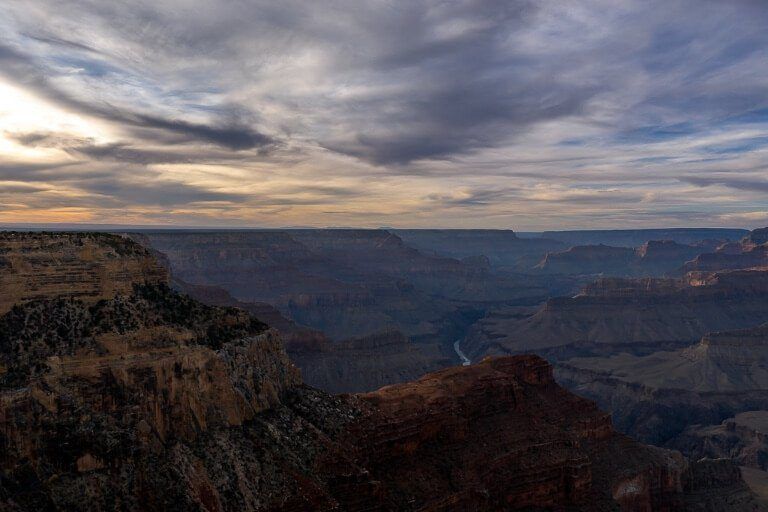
{"x": 477, "y": 113}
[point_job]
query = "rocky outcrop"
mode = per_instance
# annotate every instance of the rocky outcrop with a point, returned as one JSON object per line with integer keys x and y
{"x": 90, "y": 266}
{"x": 290, "y": 331}
{"x": 630, "y": 315}
{"x": 656, "y": 258}
{"x": 347, "y": 366}
{"x": 742, "y": 439}
{"x": 652, "y": 414}
{"x": 502, "y": 248}
{"x": 727, "y": 361}
{"x": 500, "y": 422}
{"x": 502, "y": 435}
{"x": 664, "y": 257}
{"x": 750, "y": 252}
{"x": 658, "y": 396}
{"x": 717, "y": 484}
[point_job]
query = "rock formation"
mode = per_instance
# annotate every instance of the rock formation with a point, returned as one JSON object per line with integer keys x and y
{"x": 89, "y": 266}
{"x": 742, "y": 439}
{"x": 345, "y": 283}
{"x": 346, "y": 366}
{"x": 502, "y": 248}
{"x": 750, "y": 252}
{"x": 630, "y": 315}
{"x": 658, "y": 396}
{"x": 322, "y": 287}
{"x": 588, "y": 259}
{"x": 145, "y": 399}
{"x": 720, "y": 362}
{"x": 363, "y": 364}
{"x": 655, "y": 258}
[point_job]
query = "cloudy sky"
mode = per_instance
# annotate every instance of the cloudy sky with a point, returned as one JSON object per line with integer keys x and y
{"x": 411, "y": 113}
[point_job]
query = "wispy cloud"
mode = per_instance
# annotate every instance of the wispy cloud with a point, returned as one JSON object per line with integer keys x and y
{"x": 523, "y": 114}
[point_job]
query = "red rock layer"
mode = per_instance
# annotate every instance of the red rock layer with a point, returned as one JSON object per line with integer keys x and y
{"x": 502, "y": 435}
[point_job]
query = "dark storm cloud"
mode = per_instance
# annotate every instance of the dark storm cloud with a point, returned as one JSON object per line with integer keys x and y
{"x": 455, "y": 93}
{"x": 451, "y": 122}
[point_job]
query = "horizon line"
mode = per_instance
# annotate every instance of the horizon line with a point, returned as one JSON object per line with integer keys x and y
{"x": 62, "y": 226}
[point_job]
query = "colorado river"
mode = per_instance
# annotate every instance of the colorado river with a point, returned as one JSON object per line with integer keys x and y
{"x": 464, "y": 359}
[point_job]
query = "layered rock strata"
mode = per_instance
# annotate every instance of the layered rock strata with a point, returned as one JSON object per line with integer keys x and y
{"x": 149, "y": 400}
{"x": 630, "y": 315}
{"x": 89, "y": 266}
{"x": 658, "y": 396}
{"x": 347, "y": 366}
{"x": 750, "y": 252}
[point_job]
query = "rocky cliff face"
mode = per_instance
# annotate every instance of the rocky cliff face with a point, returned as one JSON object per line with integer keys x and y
{"x": 657, "y": 258}
{"x": 636, "y": 315}
{"x": 588, "y": 259}
{"x": 637, "y": 237}
{"x": 750, "y": 252}
{"x": 346, "y": 366}
{"x": 656, "y": 397}
{"x": 100, "y": 393}
{"x": 501, "y": 435}
{"x": 89, "y": 266}
{"x": 149, "y": 400}
{"x": 743, "y": 439}
{"x": 502, "y": 248}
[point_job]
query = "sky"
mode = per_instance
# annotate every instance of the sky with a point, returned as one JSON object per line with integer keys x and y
{"x": 518, "y": 114}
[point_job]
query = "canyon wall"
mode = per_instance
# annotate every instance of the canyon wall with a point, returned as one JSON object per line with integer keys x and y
{"x": 635, "y": 315}
{"x": 657, "y": 396}
{"x": 90, "y": 266}
{"x": 146, "y": 399}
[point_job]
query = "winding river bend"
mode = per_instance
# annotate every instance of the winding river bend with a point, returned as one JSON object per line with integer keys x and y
{"x": 464, "y": 359}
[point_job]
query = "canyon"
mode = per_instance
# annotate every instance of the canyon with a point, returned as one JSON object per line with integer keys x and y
{"x": 336, "y": 293}
{"x": 137, "y": 397}
{"x": 632, "y": 352}
{"x": 359, "y": 308}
